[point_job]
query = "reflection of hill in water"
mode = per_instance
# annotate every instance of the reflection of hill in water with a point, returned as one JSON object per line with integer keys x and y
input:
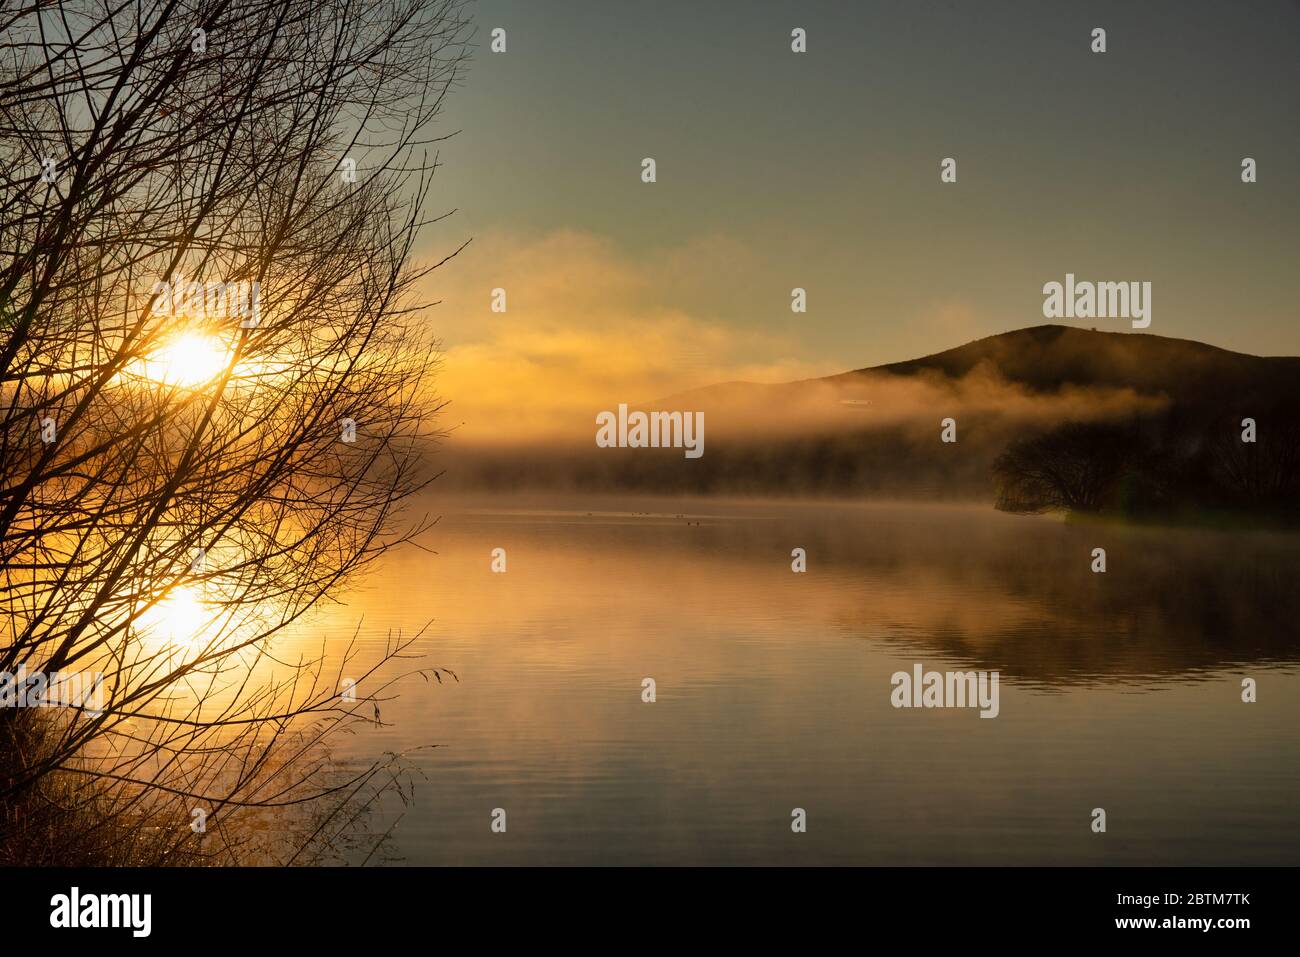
{"x": 1024, "y": 601}
{"x": 968, "y": 586}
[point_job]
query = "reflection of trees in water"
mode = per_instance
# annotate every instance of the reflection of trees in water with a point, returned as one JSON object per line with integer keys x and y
{"x": 991, "y": 590}
{"x": 160, "y": 527}
{"x": 1019, "y": 596}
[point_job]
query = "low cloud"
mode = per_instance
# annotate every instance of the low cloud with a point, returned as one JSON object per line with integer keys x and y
{"x": 587, "y": 326}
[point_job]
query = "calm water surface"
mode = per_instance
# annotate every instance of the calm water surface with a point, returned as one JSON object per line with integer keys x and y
{"x": 1119, "y": 691}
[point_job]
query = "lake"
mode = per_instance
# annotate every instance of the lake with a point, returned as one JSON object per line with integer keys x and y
{"x": 1120, "y": 691}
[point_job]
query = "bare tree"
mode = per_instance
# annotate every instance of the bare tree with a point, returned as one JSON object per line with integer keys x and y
{"x": 1075, "y": 466}
{"x": 214, "y": 379}
{"x": 1264, "y": 471}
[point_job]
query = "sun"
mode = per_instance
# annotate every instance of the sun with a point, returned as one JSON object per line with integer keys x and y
{"x": 191, "y": 359}
{"x": 176, "y": 620}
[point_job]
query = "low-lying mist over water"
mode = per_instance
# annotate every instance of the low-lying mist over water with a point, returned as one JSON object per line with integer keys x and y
{"x": 876, "y": 436}
{"x": 1040, "y": 418}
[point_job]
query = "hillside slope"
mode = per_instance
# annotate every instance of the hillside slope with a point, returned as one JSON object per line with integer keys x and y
{"x": 1045, "y": 359}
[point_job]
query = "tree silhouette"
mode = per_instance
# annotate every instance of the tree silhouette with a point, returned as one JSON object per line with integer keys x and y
{"x": 1075, "y": 466}
{"x": 214, "y": 380}
{"x": 1261, "y": 473}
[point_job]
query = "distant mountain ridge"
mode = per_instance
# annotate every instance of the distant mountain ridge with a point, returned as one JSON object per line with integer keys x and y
{"x": 1047, "y": 358}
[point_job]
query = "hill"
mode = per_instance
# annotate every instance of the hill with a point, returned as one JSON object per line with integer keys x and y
{"x": 1046, "y": 359}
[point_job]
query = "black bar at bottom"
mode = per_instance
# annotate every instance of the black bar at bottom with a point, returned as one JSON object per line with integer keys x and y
{"x": 345, "y": 908}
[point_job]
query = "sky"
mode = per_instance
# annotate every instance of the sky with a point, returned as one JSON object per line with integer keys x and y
{"x": 821, "y": 170}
